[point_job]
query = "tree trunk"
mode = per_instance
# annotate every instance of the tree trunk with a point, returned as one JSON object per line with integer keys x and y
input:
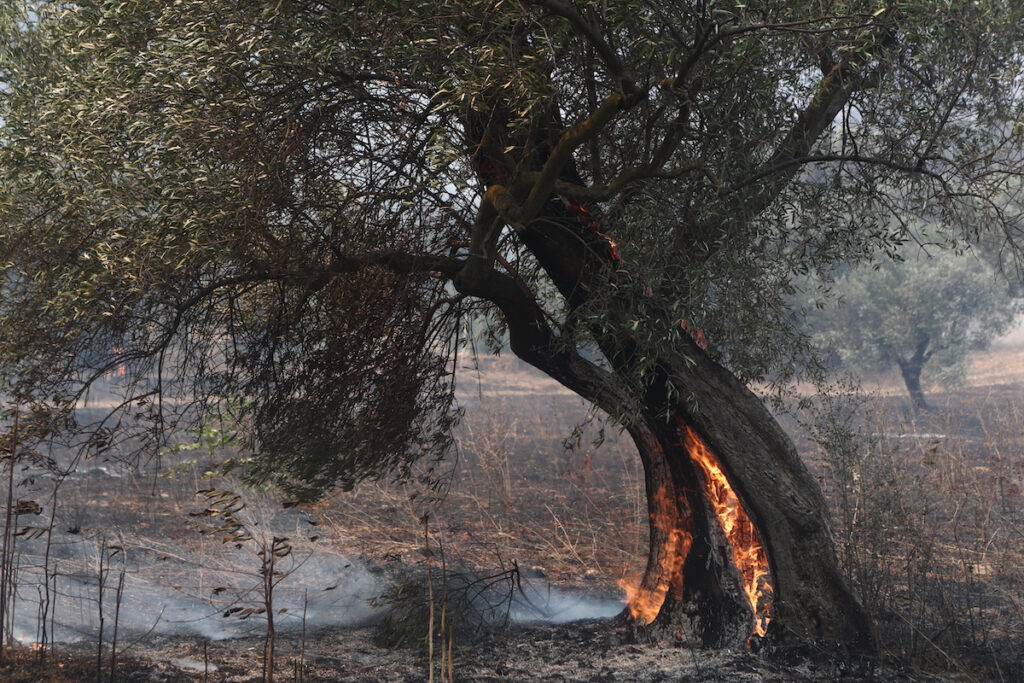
{"x": 692, "y": 585}
{"x": 706, "y": 602}
{"x": 705, "y": 598}
{"x": 912, "y": 378}
{"x": 911, "y": 370}
{"x": 687, "y": 405}
{"x": 811, "y": 600}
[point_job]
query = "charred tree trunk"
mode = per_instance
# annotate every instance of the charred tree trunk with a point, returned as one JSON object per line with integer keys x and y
{"x": 812, "y": 601}
{"x": 689, "y": 559}
{"x": 691, "y": 584}
{"x": 691, "y": 575}
{"x": 705, "y": 602}
{"x": 688, "y": 586}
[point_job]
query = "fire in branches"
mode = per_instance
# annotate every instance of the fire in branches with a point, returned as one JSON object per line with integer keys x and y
{"x": 644, "y": 602}
{"x": 586, "y": 218}
{"x": 747, "y": 552}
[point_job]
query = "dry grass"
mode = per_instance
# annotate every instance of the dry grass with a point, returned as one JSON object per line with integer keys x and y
{"x": 929, "y": 517}
{"x": 999, "y": 365}
{"x": 930, "y": 527}
{"x": 514, "y": 494}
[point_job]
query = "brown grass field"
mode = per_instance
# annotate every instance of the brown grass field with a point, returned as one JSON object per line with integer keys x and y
{"x": 928, "y": 514}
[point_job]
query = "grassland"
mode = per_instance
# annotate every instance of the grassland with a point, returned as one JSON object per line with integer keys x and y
{"x": 928, "y": 513}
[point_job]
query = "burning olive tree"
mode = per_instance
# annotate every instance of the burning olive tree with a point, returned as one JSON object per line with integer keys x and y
{"x": 298, "y": 206}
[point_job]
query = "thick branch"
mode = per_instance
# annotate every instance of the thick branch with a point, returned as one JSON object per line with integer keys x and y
{"x": 560, "y": 156}
{"x": 600, "y": 193}
{"x": 533, "y": 340}
{"x": 847, "y": 77}
{"x": 398, "y": 261}
{"x": 484, "y": 237}
{"x": 791, "y": 165}
{"x": 591, "y": 34}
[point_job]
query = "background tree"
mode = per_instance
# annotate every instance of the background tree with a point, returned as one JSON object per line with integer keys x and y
{"x": 295, "y": 204}
{"x": 922, "y": 313}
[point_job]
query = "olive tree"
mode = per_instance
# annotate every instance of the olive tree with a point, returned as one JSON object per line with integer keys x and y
{"x": 297, "y": 205}
{"x": 922, "y": 313}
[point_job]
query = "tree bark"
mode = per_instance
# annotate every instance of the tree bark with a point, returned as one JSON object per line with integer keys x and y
{"x": 911, "y": 369}
{"x": 704, "y": 598}
{"x": 690, "y": 568}
{"x": 811, "y": 599}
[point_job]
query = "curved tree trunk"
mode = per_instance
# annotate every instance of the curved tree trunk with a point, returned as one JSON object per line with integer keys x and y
{"x": 691, "y": 584}
{"x": 687, "y": 402}
{"x": 812, "y": 601}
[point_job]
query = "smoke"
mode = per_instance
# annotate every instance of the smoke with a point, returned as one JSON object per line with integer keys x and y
{"x": 324, "y": 589}
{"x": 534, "y": 603}
{"x": 116, "y": 520}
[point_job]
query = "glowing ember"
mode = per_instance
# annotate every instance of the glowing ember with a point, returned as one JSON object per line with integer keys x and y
{"x": 587, "y": 219}
{"x": 695, "y": 333}
{"x": 747, "y": 552}
{"x": 643, "y": 602}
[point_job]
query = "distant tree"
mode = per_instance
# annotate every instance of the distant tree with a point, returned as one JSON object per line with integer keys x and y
{"x": 922, "y": 314}
{"x": 298, "y": 204}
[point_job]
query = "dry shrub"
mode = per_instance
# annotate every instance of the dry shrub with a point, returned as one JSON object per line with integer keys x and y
{"x": 930, "y": 525}
{"x": 472, "y": 603}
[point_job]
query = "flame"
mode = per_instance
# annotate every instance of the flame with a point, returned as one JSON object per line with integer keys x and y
{"x": 586, "y": 218}
{"x": 747, "y": 552}
{"x": 644, "y": 603}
{"x": 695, "y": 333}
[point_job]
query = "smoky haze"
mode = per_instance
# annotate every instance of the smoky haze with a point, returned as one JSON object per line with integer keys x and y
{"x": 125, "y": 549}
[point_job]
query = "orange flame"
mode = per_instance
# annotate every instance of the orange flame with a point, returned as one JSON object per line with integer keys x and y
{"x": 747, "y": 552}
{"x": 586, "y": 218}
{"x": 695, "y": 333}
{"x": 644, "y": 603}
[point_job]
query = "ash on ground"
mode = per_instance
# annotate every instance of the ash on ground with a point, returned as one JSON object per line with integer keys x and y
{"x": 588, "y": 651}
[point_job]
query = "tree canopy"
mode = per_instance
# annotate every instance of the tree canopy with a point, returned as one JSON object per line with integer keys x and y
{"x": 298, "y": 205}
{"x": 923, "y": 313}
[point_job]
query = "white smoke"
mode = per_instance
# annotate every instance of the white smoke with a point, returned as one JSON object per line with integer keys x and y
{"x": 175, "y": 595}
{"x": 537, "y": 603}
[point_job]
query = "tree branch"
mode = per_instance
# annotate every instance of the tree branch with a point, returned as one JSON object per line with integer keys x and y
{"x": 484, "y": 234}
{"x": 847, "y": 77}
{"x": 600, "y": 193}
{"x": 545, "y": 181}
{"x": 917, "y": 168}
{"x": 591, "y": 34}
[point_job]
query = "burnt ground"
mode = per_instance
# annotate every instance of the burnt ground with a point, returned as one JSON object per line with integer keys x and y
{"x": 579, "y": 652}
{"x": 928, "y": 513}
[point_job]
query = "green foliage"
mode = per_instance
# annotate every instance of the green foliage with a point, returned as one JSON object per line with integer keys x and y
{"x": 277, "y": 201}
{"x": 932, "y": 303}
